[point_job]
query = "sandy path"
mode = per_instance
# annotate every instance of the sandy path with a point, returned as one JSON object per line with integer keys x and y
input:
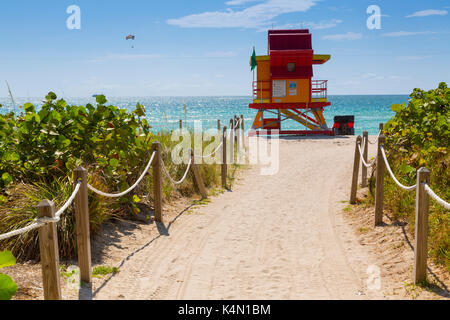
{"x": 272, "y": 237}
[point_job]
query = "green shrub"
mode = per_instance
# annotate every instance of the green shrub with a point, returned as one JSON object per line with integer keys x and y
{"x": 39, "y": 149}
{"x": 8, "y": 287}
{"x": 419, "y": 136}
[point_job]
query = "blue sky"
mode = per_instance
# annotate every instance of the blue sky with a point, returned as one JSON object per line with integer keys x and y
{"x": 190, "y": 48}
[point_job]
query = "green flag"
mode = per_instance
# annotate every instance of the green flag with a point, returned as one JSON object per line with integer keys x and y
{"x": 253, "y": 62}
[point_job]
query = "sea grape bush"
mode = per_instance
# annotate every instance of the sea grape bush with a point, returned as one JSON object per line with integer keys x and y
{"x": 47, "y": 144}
{"x": 8, "y": 287}
{"x": 419, "y": 136}
{"x": 422, "y": 128}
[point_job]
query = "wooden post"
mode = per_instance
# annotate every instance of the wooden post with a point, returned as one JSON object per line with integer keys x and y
{"x": 421, "y": 227}
{"x": 381, "y": 127}
{"x": 236, "y": 128}
{"x": 218, "y": 125}
{"x": 198, "y": 177}
{"x": 356, "y": 162}
{"x": 82, "y": 225}
{"x": 238, "y": 141}
{"x": 181, "y": 124}
{"x": 243, "y": 130}
{"x": 224, "y": 158}
{"x": 365, "y": 154}
{"x": 48, "y": 246}
{"x": 231, "y": 141}
{"x": 379, "y": 193}
{"x": 157, "y": 181}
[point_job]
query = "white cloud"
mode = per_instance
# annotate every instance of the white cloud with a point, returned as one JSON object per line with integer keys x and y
{"x": 310, "y": 25}
{"x": 239, "y": 2}
{"x": 407, "y": 33}
{"x": 343, "y": 36}
{"x": 221, "y": 54}
{"x": 255, "y": 16}
{"x": 109, "y": 57}
{"x": 374, "y": 76}
{"x": 413, "y": 58}
{"x": 429, "y": 12}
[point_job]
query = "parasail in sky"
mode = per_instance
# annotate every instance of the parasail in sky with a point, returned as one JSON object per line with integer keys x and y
{"x": 130, "y": 37}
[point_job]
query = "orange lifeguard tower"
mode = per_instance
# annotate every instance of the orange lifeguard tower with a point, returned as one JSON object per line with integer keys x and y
{"x": 284, "y": 86}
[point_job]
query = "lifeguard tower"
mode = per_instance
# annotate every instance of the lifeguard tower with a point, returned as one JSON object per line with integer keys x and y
{"x": 284, "y": 88}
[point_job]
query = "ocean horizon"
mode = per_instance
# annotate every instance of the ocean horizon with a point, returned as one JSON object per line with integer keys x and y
{"x": 164, "y": 112}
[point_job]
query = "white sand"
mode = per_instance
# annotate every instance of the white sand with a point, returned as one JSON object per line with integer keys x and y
{"x": 272, "y": 237}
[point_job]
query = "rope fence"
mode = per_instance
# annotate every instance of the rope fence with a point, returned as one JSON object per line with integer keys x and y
{"x": 376, "y": 139}
{"x": 118, "y": 195}
{"x": 423, "y": 192}
{"x": 39, "y": 222}
{"x": 172, "y": 180}
{"x": 439, "y": 200}
{"x": 383, "y": 153}
{"x": 48, "y": 216}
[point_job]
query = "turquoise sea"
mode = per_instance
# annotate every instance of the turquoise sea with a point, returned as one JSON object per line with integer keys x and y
{"x": 165, "y": 112}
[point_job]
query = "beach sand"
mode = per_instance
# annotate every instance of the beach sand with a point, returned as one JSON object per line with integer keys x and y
{"x": 271, "y": 237}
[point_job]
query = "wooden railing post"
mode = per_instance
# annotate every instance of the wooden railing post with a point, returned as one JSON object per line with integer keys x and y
{"x": 231, "y": 141}
{"x": 218, "y": 125}
{"x": 379, "y": 193}
{"x": 365, "y": 154}
{"x": 82, "y": 225}
{"x": 157, "y": 181}
{"x": 181, "y": 124}
{"x": 421, "y": 227}
{"x": 224, "y": 158}
{"x": 238, "y": 140}
{"x": 242, "y": 123}
{"x": 381, "y": 127}
{"x": 198, "y": 177}
{"x": 356, "y": 162}
{"x": 48, "y": 246}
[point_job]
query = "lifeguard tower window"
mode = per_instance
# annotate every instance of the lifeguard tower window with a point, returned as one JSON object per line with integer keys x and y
{"x": 291, "y": 67}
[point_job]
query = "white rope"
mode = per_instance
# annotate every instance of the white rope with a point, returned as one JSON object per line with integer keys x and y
{"x": 39, "y": 222}
{"x": 184, "y": 176}
{"x": 392, "y": 174}
{"x": 69, "y": 201}
{"x": 442, "y": 202}
{"x": 379, "y": 133}
{"x": 217, "y": 149}
{"x": 17, "y": 232}
{"x": 118, "y": 195}
{"x": 362, "y": 158}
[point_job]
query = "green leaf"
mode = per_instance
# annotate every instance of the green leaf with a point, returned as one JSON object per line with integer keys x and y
{"x": 101, "y": 99}
{"x": 6, "y": 177}
{"x": 28, "y": 107}
{"x": 136, "y": 199}
{"x": 8, "y": 287}
{"x": 51, "y": 96}
{"x": 6, "y": 259}
{"x": 114, "y": 163}
{"x": 397, "y": 107}
{"x": 406, "y": 169}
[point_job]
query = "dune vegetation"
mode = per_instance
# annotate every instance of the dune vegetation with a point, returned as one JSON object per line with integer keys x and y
{"x": 419, "y": 136}
{"x": 39, "y": 150}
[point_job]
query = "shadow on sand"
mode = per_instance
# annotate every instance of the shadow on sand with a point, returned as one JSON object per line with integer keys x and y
{"x": 86, "y": 292}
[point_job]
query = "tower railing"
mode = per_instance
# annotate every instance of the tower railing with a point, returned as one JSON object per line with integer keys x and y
{"x": 258, "y": 92}
{"x": 319, "y": 89}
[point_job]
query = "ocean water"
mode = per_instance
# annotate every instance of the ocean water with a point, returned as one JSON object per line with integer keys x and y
{"x": 165, "y": 112}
